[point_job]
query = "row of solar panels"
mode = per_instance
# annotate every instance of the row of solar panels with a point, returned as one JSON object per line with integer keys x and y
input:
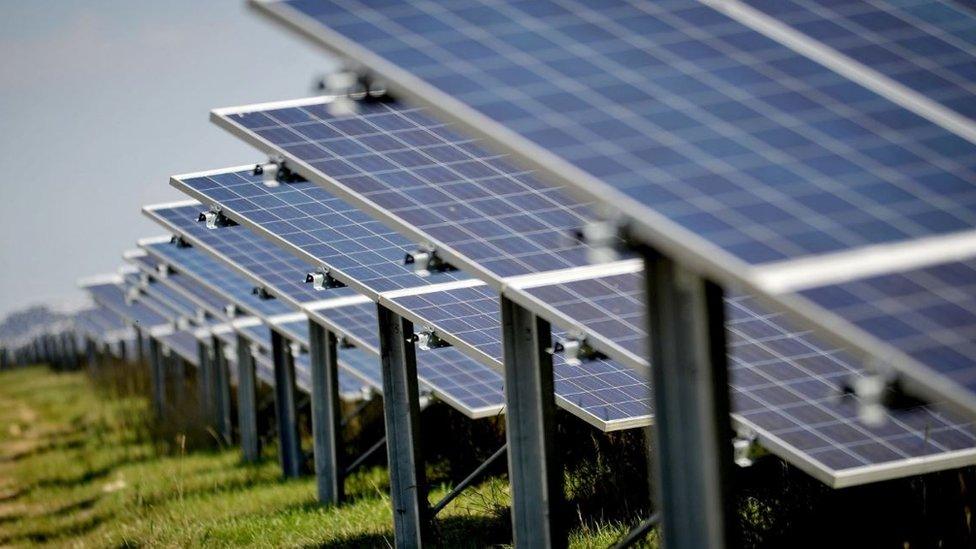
{"x": 762, "y": 168}
{"x": 787, "y": 386}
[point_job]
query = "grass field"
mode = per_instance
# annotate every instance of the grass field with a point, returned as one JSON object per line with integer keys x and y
{"x": 79, "y": 467}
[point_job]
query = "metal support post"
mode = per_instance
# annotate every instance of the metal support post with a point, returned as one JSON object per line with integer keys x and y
{"x": 204, "y": 383}
{"x": 247, "y": 401}
{"x": 157, "y": 377}
{"x": 326, "y": 414}
{"x": 533, "y": 469}
{"x": 289, "y": 445}
{"x": 686, "y": 323}
{"x": 401, "y": 409}
{"x": 221, "y": 392}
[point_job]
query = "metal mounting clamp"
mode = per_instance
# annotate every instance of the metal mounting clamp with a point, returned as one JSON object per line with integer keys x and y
{"x": 575, "y": 350}
{"x": 426, "y": 261}
{"x": 215, "y": 218}
{"x": 428, "y": 339}
{"x": 262, "y": 293}
{"x": 321, "y": 279}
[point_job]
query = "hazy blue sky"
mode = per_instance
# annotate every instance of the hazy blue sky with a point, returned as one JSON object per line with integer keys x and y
{"x": 100, "y": 101}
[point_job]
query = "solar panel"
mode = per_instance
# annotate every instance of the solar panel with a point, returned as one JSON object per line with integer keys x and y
{"x": 778, "y": 156}
{"x": 923, "y": 45}
{"x": 927, "y": 313}
{"x": 719, "y": 145}
{"x": 786, "y": 384}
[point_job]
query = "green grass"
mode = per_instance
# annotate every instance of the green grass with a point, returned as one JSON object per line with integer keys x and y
{"x": 78, "y": 467}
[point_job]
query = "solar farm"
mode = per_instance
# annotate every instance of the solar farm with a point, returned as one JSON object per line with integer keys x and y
{"x": 745, "y": 229}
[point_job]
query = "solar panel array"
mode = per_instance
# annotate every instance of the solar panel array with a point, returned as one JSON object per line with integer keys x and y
{"x": 821, "y": 153}
{"x": 584, "y": 394}
{"x": 711, "y": 134}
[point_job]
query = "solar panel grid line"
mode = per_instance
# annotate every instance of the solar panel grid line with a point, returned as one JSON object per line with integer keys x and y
{"x": 848, "y": 67}
{"x": 802, "y": 310}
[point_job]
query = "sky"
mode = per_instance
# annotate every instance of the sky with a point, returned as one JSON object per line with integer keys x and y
{"x": 100, "y": 102}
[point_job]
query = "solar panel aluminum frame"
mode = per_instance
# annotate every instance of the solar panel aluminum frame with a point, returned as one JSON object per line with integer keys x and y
{"x": 194, "y": 317}
{"x": 116, "y": 279}
{"x": 387, "y": 300}
{"x": 638, "y": 221}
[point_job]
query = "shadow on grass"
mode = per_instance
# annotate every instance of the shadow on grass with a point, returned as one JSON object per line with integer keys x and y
{"x": 448, "y": 532}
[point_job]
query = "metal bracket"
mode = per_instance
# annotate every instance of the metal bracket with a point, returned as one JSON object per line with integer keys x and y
{"x": 745, "y": 448}
{"x": 215, "y": 218}
{"x": 320, "y": 279}
{"x": 275, "y": 171}
{"x": 428, "y": 339}
{"x": 426, "y": 261}
{"x": 179, "y": 242}
{"x": 295, "y": 349}
{"x": 163, "y": 270}
{"x": 575, "y": 350}
{"x": 349, "y": 86}
{"x": 230, "y": 310}
{"x": 344, "y": 343}
{"x": 603, "y": 240}
{"x": 262, "y": 293}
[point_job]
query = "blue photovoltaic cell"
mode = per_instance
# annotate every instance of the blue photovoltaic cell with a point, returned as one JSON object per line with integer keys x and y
{"x": 184, "y": 344}
{"x": 927, "y": 313}
{"x": 296, "y": 331}
{"x": 602, "y": 389}
{"x": 323, "y": 228}
{"x": 112, "y": 297}
{"x": 729, "y": 134}
{"x": 259, "y": 334}
{"x": 784, "y": 382}
{"x": 366, "y": 365}
{"x": 436, "y": 180}
{"x": 280, "y": 271}
{"x": 359, "y": 321}
{"x": 198, "y": 264}
{"x": 924, "y": 45}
